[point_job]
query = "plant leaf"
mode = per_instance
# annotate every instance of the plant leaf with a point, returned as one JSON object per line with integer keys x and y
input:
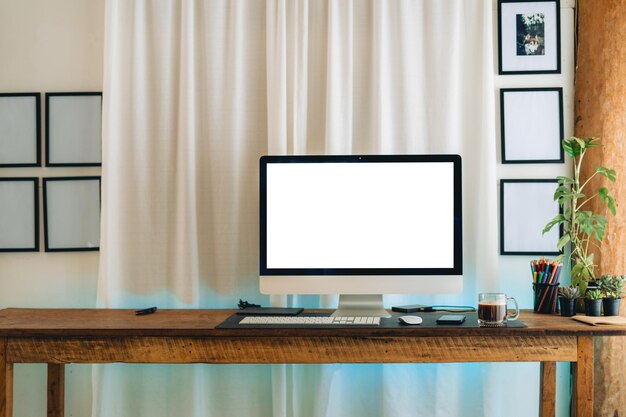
{"x": 563, "y": 241}
{"x": 565, "y": 180}
{"x": 558, "y": 219}
{"x": 603, "y": 192}
{"x": 581, "y": 142}
{"x": 590, "y": 142}
{"x": 568, "y": 147}
{"x": 611, "y": 205}
{"x": 608, "y": 173}
{"x": 563, "y": 192}
{"x": 598, "y": 225}
{"x": 585, "y": 221}
{"x": 577, "y": 275}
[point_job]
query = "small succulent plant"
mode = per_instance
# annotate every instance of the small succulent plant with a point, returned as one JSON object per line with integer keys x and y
{"x": 593, "y": 295}
{"x": 611, "y": 286}
{"x": 571, "y": 293}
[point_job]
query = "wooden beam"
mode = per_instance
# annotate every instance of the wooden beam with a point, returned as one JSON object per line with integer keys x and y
{"x": 6, "y": 382}
{"x": 547, "y": 387}
{"x": 294, "y": 349}
{"x": 582, "y": 404}
{"x": 601, "y": 111}
{"x": 600, "y": 101}
{"x": 56, "y": 390}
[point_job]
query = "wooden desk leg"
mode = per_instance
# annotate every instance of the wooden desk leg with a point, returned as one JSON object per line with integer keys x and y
{"x": 6, "y": 382}
{"x": 547, "y": 387}
{"x": 56, "y": 390}
{"x": 582, "y": 391}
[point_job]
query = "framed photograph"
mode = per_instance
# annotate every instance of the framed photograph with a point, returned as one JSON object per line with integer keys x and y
{"x": 529, "y": 37}
{"x": 71, "y": 213}
{"x": 73, "y": 129}
{"x": 20, "y": 129}
{"x": 531, "y": 125}
{"x": 526, "y": 206}
{"x": 19, "y": 214}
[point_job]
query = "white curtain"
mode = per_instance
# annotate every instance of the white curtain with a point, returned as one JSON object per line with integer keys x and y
{"x": 195, "y": 92}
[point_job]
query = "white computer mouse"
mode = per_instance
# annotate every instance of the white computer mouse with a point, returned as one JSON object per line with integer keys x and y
{"x": 410, "y": 319}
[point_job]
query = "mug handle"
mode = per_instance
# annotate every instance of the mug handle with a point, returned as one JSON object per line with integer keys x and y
{"x": 516, "y": 314}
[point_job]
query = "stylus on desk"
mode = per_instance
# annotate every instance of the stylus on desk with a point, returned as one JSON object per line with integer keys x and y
{"x": 145, "y": 311}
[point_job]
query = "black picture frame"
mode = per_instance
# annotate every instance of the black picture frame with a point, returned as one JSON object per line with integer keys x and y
{"x": 20, "y": 130}
{"x": 531, "y": 125}
{"x": 73, "y": 129}
{"x": 19, "y": 226}
{"x": 526, "y": 206}
{"x": 72, "y": 213}
{"x": 529, "y": 37}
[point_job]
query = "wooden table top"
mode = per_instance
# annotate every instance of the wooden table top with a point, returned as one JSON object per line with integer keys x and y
{"x": 32, "y": 322}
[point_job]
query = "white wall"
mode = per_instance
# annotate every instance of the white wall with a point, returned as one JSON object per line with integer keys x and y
{"x": 50, "y": 46}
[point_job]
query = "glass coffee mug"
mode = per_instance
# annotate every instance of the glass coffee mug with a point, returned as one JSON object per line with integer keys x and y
{"x": 492, "y": 309}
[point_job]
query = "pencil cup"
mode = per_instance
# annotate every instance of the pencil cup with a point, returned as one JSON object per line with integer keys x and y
{"x": 545, "y": 299}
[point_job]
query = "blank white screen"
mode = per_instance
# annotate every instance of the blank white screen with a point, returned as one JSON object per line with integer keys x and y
{"x": 360, "y": 215}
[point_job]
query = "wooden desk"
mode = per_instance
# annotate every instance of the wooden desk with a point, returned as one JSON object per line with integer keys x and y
{"x": 61, "y": 336}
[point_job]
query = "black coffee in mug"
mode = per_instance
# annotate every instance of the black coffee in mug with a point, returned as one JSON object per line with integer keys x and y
{"x": 492, "y": 309}
{"x": 492, "y": 312}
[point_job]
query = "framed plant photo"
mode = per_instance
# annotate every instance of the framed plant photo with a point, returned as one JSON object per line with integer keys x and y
{"x": 525, "y": 208}
{"x": 73, "y": 129}
{"x": 529, "y": 37}
{"x": 71, "y": 213}
{"x": 531, "y": 125}
{"x": 19, "y": 214}
{"x": 20, "y": 129}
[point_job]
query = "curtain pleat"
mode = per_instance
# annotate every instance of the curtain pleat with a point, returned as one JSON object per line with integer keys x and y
{"x": 195, "y": 92}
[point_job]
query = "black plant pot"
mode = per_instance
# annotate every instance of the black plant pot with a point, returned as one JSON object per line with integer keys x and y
{"x": 611, "y": 306}
{"x": 568, "y": 306}
{"x": 581, "y": 302}
{"x": 593, "y": 307}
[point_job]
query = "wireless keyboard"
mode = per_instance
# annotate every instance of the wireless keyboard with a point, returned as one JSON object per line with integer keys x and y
{"x": 313, "y": 321}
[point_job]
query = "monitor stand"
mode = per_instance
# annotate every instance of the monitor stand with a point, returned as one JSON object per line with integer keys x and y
{"x": 370, "y": 305}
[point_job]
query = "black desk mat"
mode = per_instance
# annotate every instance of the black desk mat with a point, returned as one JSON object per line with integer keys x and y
{"x": 429, "y": 321}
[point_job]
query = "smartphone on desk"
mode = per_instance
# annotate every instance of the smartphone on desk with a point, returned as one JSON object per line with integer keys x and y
{"x": 451, "y": 319}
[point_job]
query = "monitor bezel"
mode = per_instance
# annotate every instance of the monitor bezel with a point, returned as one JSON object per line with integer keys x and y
{"x": 457, "y": 268}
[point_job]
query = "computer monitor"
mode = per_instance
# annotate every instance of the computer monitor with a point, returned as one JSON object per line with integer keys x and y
{"x": 360, "y": 226}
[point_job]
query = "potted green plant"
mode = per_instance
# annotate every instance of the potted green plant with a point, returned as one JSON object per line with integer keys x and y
{"x": 567, "y": 300}
{"x": 611, "y": 287}
{"x": 593, "y": 302}
{"x": 582, "y": 228}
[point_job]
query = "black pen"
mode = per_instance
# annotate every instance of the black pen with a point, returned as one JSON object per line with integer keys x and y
{"x": 145, "y": 311}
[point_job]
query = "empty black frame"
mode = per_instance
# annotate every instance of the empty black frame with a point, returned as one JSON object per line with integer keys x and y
{"x": 73, "y": 129}
{"x": 19, "y": 226}
{"x": 533, "y": 28}
{"x": 531, "y": 119}
{"x": 524, "y": 212}
{"x": 71, "y": 221}
{"x": 20, "y": 130}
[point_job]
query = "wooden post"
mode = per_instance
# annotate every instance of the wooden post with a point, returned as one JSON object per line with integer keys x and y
{"x": 582, "y": 404}
{"x": 56, "y": 390}
{"x": 547, "y": 385}
{"x": 601, "y": 111}
{"x": 6, "y": 382}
